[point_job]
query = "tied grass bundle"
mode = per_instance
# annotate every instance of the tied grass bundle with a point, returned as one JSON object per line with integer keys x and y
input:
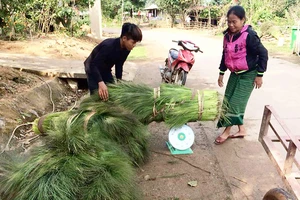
{"x": 41, "y": 124}
{"x": 176, "y": 105}
{"x": 90, "y": 151}
{"x": 119, "y": 125}
{"x": 101, "y": 120}
{"x": 204, "y": 106}
{"x": 72, "y": 164}
{"x": 49, "y": 175}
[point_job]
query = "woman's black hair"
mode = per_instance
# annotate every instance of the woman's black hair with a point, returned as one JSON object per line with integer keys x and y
{"x": 132, "y": 31}
{"x": 237, "y": 11}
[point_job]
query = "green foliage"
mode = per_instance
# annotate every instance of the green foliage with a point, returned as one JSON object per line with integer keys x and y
{"x": 30, "y": 16}
{"x": 113, "y": 9}
{"x": 219, "y": 2}
{"x": 174, "y": 7}
{"x": 214, "y": 12}
{"x": 267, "y": 10}
{"x": 110, "y": 8}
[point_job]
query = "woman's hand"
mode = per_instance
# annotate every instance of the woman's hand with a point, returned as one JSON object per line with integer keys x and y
{"x": 258, "y": 82}
{"x": 103, "y": 92}
{"x": 220, "y": 80}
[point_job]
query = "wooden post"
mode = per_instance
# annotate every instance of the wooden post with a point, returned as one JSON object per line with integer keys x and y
{"x": 289, "y": 160}
{"x": 264, "y": 123}
{"x": 96, "y": 19}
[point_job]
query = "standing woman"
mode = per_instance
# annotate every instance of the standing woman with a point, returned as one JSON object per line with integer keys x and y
{"x": 246, "y": 58}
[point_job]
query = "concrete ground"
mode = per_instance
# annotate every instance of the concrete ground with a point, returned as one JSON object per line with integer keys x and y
{"x": 245, "y": 165}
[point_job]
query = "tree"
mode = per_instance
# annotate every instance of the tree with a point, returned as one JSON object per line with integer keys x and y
{"x": 111, "y": 9}
{"x": 174, "y": 7}
{"x": 21, "y": 16}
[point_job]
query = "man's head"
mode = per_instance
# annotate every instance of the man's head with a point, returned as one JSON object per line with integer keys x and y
{"x": 131, "y": 34}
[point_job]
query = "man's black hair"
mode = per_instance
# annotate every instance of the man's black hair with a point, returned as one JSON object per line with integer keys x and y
{"x": 132, "y": 31}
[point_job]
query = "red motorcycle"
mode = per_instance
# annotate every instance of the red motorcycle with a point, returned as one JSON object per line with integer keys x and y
{"x": 179, "y": 63}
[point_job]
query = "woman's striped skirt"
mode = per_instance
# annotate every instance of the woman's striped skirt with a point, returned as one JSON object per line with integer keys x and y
{"x": 237, "y": 94}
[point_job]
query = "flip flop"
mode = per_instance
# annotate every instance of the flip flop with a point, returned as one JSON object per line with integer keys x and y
{"x": 236, "y": 136}
{"x": 220, "y": 140}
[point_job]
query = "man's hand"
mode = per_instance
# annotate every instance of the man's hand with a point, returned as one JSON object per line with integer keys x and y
{"x": 103, "y": 92}
{"x": 220, "y": 80}
{"x": 258, "y": 82}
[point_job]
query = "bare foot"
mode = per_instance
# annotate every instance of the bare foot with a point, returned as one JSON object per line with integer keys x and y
{"x": 241, "y": 133}
{"x": 224, "y": 136}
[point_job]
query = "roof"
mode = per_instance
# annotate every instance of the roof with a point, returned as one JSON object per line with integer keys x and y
{"x": 152, "y": 6}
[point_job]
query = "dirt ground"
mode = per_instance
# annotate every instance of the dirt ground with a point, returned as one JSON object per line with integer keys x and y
{"x": 20, "y": 90}
{"x": 164, "y": 177}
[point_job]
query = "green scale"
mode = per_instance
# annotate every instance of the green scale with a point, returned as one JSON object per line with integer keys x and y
{"x": 180, "y": 140}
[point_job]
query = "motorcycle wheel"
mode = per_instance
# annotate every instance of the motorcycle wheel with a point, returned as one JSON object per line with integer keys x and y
{"x": 180, "y": 77}
{"x": 277, "y": 194}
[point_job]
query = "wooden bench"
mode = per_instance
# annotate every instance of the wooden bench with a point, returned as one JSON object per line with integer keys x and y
{"x": 281, "y": 146}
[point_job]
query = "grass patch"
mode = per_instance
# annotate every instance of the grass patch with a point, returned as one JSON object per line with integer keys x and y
{"x": 138, "y": 53}
{"x": 273, "y": 48}
{"x": 282, "y": 52}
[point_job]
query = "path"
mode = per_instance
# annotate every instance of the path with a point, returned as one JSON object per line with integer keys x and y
{"x": 242, "y": 164}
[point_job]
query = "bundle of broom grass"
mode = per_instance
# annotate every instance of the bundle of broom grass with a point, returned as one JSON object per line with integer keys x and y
{"x": 90, "y": 152}
{"x": 109, "y": 121}
{"x": 81, "y": 162}
{"x": 173, "y": 104}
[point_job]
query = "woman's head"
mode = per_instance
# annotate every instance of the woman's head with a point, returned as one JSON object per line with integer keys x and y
{"x": 236, "y": 18}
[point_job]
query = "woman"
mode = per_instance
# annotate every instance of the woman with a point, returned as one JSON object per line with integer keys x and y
{"x": 246, "y": 58}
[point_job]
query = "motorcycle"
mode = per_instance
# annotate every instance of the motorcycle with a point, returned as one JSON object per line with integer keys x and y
{"x": 179, "y": 63}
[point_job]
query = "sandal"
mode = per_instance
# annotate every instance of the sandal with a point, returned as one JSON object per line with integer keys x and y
{"x": 236, "y": 136}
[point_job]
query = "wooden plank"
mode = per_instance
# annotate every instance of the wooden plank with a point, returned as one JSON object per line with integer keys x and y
{"x": 284, "y": 127}
{"x": 264, "y": 127}
{"x": 289, "y": 180}
{"x": 293, "y": 185}
{"x": 283, "y": 137}
{"x": 71, "y": 75}
{"x": 289, "y": 158}
{"x": 276, "y": 157}
{"x": 285, "y": 144}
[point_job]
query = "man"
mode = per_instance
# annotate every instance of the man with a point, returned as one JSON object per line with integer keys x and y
{"x": 110, "y": 52}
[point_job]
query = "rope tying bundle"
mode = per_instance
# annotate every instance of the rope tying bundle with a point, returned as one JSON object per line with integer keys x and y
{"x": 156, "y": 94}
{"x": 200, "y": 103}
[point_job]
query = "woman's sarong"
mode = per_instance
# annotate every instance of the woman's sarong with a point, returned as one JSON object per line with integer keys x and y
{"x": 237, "y": 93}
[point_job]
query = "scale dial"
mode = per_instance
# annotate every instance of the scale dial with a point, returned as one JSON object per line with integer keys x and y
{"x": 181, "y": 138}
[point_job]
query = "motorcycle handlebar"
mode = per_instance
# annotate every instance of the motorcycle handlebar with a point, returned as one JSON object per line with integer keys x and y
{"x": 177, "y": 41}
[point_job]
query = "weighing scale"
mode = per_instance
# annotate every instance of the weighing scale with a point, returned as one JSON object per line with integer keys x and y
{"x": 180, "y": 140}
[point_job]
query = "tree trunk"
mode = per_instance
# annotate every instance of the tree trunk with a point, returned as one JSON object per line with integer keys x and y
{"x": 172, "y": 20}
{"x": 209, "y": 18}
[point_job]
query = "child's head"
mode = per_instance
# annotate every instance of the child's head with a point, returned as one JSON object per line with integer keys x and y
{"x": 130, "y": 35}
{"x": 236, "y": 17}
